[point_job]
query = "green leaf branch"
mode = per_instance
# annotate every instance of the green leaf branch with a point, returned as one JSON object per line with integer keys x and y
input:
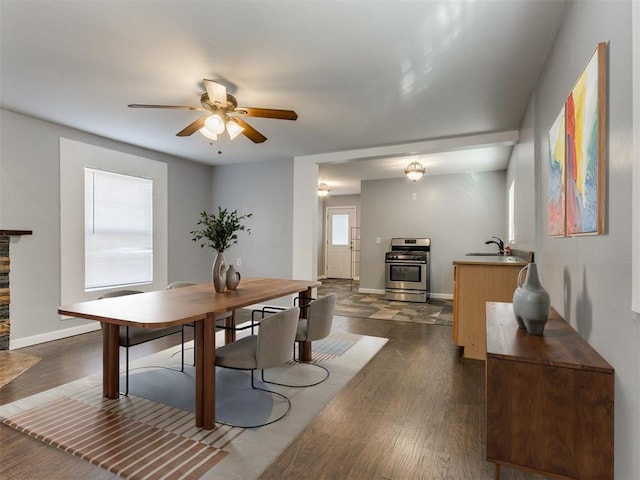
{"x": 220, "y": 231}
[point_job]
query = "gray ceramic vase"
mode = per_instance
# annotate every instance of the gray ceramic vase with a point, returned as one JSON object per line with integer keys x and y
{"x": 233, "y": 278}
{"x": 531, "y": 302}
{"x": 219, "y": 273}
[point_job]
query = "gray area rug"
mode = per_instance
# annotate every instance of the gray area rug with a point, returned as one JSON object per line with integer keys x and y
{"x": 236, "y": 402}
{"x": 351, "y": 303}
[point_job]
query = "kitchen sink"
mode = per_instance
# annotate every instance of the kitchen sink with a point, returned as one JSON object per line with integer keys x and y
{"x": 482, "y": 254}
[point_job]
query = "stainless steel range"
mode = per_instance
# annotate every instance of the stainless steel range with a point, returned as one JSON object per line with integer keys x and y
{"x": 407, "y": 270}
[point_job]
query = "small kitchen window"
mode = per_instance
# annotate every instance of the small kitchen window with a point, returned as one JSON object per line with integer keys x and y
{"x": 340, "y": 230}
{"x": 511, "y": 234}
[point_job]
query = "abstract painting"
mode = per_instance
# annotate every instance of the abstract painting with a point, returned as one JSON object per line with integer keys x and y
{"x": 586, "y": 124}
{"x": 556, "y": 178}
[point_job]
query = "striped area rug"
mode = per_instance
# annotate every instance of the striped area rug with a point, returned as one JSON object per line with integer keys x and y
{"x": 133, "y": 438}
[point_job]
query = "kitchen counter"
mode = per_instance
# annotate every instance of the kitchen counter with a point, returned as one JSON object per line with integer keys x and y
{"x": 489, "y": 260}
{"x": 479, "y": 279}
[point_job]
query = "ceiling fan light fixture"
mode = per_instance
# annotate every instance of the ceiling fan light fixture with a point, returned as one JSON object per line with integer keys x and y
{"x": 414, "y": 171}
{"x": 323, "y": 190}
{"x": 234, "y": 129}
{"x": 211, "y": 136}
{"x": 214, "y": 124}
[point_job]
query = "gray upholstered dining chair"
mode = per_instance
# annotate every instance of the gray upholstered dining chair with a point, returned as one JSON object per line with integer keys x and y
{"x": 270, "y": 348}
{"x": 131, "y": 336}
{"x": 315, "y": 324}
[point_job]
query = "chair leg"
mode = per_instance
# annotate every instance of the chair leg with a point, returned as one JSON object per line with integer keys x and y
{"x": 254, "y": 387}
{"x": 182, "y": 339}
{"x": 195, "y": 352}
{"x": 126, "y": 372}
{"x": 295, "y": 360}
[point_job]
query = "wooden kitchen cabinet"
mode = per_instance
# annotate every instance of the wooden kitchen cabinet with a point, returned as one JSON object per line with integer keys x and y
{"x": 549, "y": 399}
{"x": 477, "y": 280}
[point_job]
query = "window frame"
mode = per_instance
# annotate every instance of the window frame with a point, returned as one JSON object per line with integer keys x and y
{"x": 74, "y": 156}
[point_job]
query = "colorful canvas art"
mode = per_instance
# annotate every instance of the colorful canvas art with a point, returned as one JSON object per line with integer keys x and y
{"x": 585, "y": 125}
{"x": 556, "y": 185}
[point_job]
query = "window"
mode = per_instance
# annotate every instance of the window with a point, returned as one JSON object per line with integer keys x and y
{"x": 511, "y": 234}
{"x": 340, "y": 229}
{"x": 118, "y": 229}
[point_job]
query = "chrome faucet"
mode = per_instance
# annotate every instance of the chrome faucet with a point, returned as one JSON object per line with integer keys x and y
{"x": 499, "y": 243}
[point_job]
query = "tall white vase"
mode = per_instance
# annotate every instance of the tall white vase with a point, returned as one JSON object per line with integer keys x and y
{"x": 531, "y": 302}
{"x": 219, "y": 273}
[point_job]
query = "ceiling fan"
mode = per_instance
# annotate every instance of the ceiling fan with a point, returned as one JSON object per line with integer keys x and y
{"x": 223, "y": 114}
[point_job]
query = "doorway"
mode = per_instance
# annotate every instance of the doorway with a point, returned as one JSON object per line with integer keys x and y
{"x": 339, "y": 242}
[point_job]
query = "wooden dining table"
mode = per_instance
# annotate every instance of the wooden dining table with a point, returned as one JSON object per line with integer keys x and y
{"x": 198, "y": 303}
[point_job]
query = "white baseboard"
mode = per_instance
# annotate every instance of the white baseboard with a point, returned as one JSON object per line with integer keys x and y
{"x": 371, "y": 290}
{"x": 442, "y": 296}
{"x": 55, "y": 335}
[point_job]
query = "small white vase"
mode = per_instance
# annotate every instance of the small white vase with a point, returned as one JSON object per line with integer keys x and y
{"x": 531, "y": 302}
{"x": 219, "y": 273}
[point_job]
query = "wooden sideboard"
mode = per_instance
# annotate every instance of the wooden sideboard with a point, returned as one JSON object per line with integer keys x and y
{"x": 477, "y": 280}
{"x": 549, "y": 399}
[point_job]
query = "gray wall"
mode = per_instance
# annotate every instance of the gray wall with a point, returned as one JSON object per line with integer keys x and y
{"x": 522, "y": 170}
{"x": 458, "y": 213}
{"x": 589, "y": 277}
{"x": 264, "y": 189}
{"x": 30, "y": 199}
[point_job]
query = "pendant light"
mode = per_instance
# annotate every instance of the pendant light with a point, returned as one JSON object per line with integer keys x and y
{"x": 323, "y": 190}
{"x": 414, "y": 171}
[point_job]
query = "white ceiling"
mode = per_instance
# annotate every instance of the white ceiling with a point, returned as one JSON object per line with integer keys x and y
{"x": 360, "y": 74}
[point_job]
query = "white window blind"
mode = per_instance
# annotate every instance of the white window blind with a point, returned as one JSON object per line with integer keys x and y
{"x": 118, "y": 229}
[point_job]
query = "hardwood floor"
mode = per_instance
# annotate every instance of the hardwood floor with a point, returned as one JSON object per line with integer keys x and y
{"x": 416, "y": 411}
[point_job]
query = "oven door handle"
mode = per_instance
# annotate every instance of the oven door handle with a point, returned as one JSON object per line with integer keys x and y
{"x": 406, "y": 262}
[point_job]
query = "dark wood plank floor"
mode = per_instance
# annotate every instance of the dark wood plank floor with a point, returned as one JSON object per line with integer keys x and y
{"x": 416, "y": 411}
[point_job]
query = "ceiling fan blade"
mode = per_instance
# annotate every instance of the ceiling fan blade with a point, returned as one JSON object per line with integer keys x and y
{"x": 217, "y": 93}
{"x": 268, "y": 113}
{"x": 174, "y": 107}
{"x": 192, "y": 128}
{"x": 251, "y": 133}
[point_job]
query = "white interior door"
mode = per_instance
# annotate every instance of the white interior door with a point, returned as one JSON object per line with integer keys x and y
{"x": 339, "y": 223}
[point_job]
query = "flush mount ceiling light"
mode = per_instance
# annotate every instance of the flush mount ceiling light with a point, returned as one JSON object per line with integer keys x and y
{"x": 414, "y": 171}
{"x": 323, "y": 190}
